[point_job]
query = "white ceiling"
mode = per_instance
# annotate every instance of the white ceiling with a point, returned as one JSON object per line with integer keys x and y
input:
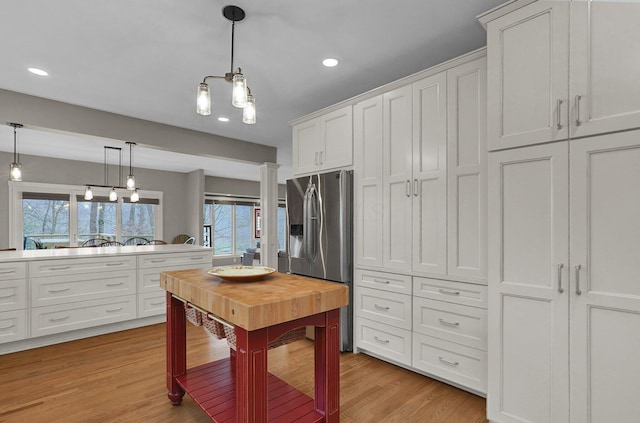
{"x": 145, "y": 58}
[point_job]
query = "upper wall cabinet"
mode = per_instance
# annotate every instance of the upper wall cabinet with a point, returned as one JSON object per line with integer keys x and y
{"x": 323, "y": 143}
{"x": 547, "y": 82}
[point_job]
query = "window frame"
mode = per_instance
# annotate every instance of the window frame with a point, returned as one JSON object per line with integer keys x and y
{"x": 15, "y": 208}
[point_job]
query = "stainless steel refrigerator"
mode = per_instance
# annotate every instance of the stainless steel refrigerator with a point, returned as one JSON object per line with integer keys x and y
{"x": 319, "y": 213}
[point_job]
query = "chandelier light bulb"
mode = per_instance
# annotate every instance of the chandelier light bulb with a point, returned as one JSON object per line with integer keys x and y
{"x": 16, "y": 172}
{"x": 249, "y": 111}
{"x": 88, "y": 193}
{"x": 113, "y": 195}
{"x": 239, "y": 93}
{"x": 131, "y": 182}
{"x": 203, "y": 100}
{"x": 135, "y": 197}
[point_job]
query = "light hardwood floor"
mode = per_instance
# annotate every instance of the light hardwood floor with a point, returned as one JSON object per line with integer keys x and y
{"x": 120, "y": 377}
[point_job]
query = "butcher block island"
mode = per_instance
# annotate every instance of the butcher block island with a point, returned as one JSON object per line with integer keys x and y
{"x": 240, "y": 388}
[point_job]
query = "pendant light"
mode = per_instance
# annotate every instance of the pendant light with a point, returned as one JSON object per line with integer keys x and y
{"x": 240, "y": 93}
{"x": 15, "y": 170}
{"x": 88, "y": 193}
{"x": 135, "y": 197}
{"x": 113, "y": 195}
{"x": 131, "y": 180}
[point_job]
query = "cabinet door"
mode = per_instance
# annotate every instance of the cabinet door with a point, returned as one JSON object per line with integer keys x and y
{"x": 467, "y": 170}
{"x": 528, "y": 289}
{"x": 605, "y": 293}
{"x": 336, "y": 129}
{"x": 306, "y": 147}
{"x": 605, "y": 40}
{"x": 397, "y": 160}
{"x": 527, "y": 54}
{"x": 367, "y": 134}
{"x": 429, "y": 185}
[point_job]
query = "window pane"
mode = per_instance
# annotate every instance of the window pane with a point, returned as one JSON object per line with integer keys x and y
{"x": 222, "y": 235}
{"x": 96, "y": 220}
{"x": 45, "y": 223}
{"x": 244, "y": 228}
{"x": 281, "y": 227}
{"x": 138, "y": 220}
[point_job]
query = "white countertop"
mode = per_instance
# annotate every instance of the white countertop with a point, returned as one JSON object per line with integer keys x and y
{"x": 66, "y": 253}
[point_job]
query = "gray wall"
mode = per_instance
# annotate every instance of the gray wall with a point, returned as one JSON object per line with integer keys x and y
{"x": 175, "y": 211}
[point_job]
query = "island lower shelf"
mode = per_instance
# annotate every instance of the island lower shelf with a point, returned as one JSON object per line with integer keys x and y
{"x": 213, "y": 387}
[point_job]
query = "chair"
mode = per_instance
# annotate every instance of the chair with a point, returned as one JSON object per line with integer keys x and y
{"x": 180, "y": 239}
{"x": 31, "y": 244}
{"x": 136, "y": 240}
{"x": 156, "y": 242}
{"x": 94, "y": 242}
{"x": 247, "y": 259}
{"x": 191, "y": 240}
{"x": 110, "y": 244}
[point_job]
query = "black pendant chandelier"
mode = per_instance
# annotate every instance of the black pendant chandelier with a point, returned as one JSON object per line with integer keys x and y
{"x": 241, "y": 94}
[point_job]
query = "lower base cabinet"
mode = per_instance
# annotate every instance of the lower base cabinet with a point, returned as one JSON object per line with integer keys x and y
{"x": 13, "y": 325}
{"x": 384, "y": 340}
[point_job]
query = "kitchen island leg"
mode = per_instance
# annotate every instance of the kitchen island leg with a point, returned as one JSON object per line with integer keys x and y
{"x": 251, "y": 375}
{"x": 176, "y": 348}
{"x": 327, "y": 367}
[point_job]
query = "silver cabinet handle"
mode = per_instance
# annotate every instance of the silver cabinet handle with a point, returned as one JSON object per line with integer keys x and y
{"x": 58, "y": 319}
{"x": 157, "y": 304}
{"x": 6, "y": 272}
{"x": 120, "y": 263}
{"x": 114, "y": 284}
{"x": 114, "y": 310}
{"x": 448, "y": 323}
{"x": 315, "y": 160}
{"x": 196, "y": 258}
{"x": 59, "y": 268}
{"x": 382, "y": 281}
{"x": 7, "y": 296}
{"x": 447, "y": 292}
{"x": 379, "y": 307}
{"x": 58, "y": 290}
{"x": 559, "y": 114}
{"x": 384, "y": 341}
{"x": 320, "y": 158}
{"x": 450, "y": 363}
{"x": 407, "y": 188}
{"x": 577, "y": 268}
{"x": 560, "y": 288}
{"x": 7, "y": 327}
{"x": 157, "y": 261}
{"x": 415, "y": 187}
{"x": 577, "y": 110}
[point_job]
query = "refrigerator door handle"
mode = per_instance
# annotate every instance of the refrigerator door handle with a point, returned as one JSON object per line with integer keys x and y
{"x": 310, "y": 219}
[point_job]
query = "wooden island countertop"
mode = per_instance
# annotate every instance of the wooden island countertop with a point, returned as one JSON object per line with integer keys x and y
{"x": 277, "y": 299}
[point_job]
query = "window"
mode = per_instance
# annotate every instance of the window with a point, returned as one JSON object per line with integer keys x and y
{"x": 49, "y": 216}
{"x": 230, "y": 222}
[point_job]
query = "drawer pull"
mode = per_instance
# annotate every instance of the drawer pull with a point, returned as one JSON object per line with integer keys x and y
{"x": 58, "y": 319}
{"x": 448, "y": 323}
{"x": 450, "y": 363}
{"x": 120, "y": 263}
{"x": 157, "y": 304}
{"x": 157, "y": 261}
{"x": 114, "y": 310}
{"x": 59, "y": 267}
{"x": 7, "y": 296}
{"x": 53, "y": 291}
{"x": 197, "y": 258}
{"x": 384, "y": 341}
{"x": 7, "y": 327}
{"x": 114, "y": 284}
{"x": 447, "y": 292}
{"x": 379, "y": 307}
{"x": 382, "y": 281}
{"x": 6, "y": 272}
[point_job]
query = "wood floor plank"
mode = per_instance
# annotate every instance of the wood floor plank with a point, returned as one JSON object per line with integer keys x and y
{"x": 120, "y": 377}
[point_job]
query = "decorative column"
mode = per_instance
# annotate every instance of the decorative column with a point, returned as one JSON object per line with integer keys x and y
{"x": 269, "y": 214}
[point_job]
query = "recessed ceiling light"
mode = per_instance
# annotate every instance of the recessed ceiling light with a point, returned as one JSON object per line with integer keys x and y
{"x": 330, "y": 62}
{"x": 38, "y": 72}
{"x": 223, "y": 119}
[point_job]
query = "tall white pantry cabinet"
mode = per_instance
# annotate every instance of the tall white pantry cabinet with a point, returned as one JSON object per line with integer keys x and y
{"x": 564, "y": 207}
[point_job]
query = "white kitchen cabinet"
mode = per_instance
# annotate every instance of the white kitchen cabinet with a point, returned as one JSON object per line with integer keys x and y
{"x": 323, "y": 143}
{"x": 13, "y": 301}
{"x": 564, "y": 300}
{"x": 562, "y": 69}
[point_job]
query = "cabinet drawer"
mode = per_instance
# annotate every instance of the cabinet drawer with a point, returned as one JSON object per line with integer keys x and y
{"x": 67, "y": 289}
{"x": 384, "y": 307}
{"x": 452, "y": 322}
{"x": 66, "y": 317}
{"x": 385, "y": 281}
{"x": 384, "y": 340}
{"x": 149, "y": 279}
{"x": 193, "y": 259}
{"x": 453, "y": 362}
{"x": 13, "y": 271}
{"x": 81, "y": 265}
{"x": 13, "y": 294}
{"x": 454, "y": 292}
{"x": 13, "y": 325}
{"x": 152, "y": 304}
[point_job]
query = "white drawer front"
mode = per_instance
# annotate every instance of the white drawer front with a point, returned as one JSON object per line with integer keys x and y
{"x": 456, "y": 363}
{"x": 452, "y": 322}
{"x": 454, "y": 292}
{"x": 66, "y": 289}
{"x": 13, "y": 294}
{"x": 81, "y": 265}
{"x": 66, "y": 317}
{"x": 385, "y": 281}
{"x": 384, "y": 340}
{"x": 13, "y": 325}
{"x": 13, "y": 271}
{"x": 149, "y": 278}
{"x": 197, "y": 260}
{"x": 385, "y": 307}
{"x": 152, "y": 304}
